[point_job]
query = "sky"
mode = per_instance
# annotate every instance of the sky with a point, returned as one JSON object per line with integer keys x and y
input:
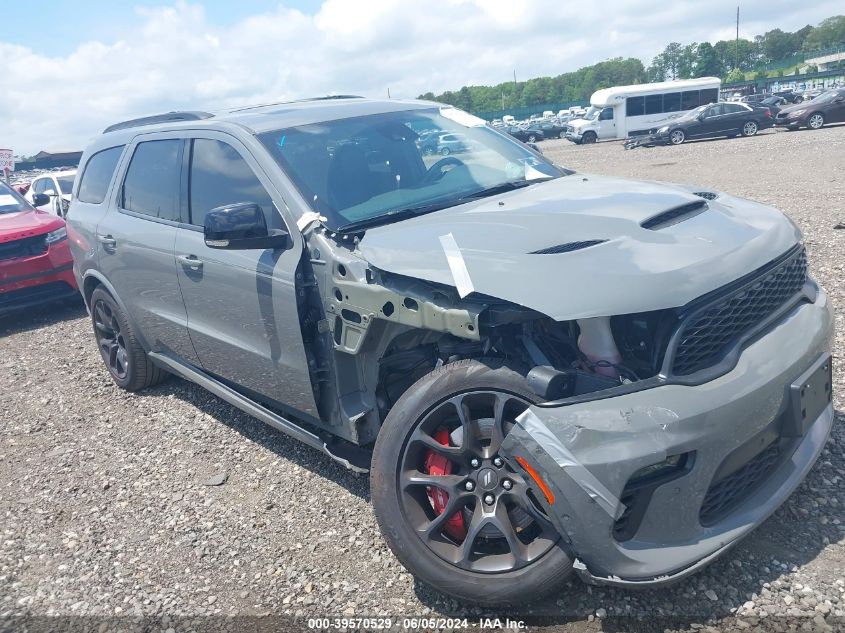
{"x": 69, "y": 69}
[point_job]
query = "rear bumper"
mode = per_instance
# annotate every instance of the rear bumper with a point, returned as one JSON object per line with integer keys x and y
{"x": 588, "y": 452}
{"x": 29, "y": 281}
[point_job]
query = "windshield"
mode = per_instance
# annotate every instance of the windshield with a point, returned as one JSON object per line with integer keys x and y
{"x": 382, "y": 167}
{"x": 694, "y": 113}
{"x": 826, "y": 97}
{"x": 66, "y": 184}
{"x": 592, "y": 113}
{"x": 11, "y": 201}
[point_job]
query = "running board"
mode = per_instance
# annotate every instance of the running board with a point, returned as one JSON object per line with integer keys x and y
{"x": 353, "y": 457}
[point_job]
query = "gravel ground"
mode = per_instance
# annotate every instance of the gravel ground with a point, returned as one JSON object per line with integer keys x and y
{"x": 171, "y": 505}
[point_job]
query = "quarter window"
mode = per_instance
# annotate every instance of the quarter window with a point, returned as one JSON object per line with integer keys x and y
{"x": 98, "y": 174}
{"x": 220, "y": 176}
{"x": 153, "y": 179}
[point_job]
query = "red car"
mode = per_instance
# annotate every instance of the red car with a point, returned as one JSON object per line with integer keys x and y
{"x": 35, "y": 261}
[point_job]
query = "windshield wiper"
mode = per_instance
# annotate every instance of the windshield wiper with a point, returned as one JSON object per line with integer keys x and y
{"x": 502, "y": 187}
{"x": 393, "y": 216}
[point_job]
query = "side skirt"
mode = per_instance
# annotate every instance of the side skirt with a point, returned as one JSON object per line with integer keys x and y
{"x": 352, "y": 457}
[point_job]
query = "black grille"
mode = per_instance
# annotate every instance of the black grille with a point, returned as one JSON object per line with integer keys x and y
{"x": 27, "y": 247}
{"x": 674, "y": 216}
{"x": 728, "y": 492}
{"x": 567, "y": 248}
{"x": 709, "y": 333}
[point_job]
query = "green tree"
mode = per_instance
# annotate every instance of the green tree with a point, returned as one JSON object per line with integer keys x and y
{"x": 830, "y": 32}
{"x": 735, "y": 75}
{"x": 707, "y": 62}
{"x": 777, "y": 45}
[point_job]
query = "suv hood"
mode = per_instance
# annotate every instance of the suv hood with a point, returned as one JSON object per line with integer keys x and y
{"x": 16, "y": 226}
{"x": 493, "y": 243}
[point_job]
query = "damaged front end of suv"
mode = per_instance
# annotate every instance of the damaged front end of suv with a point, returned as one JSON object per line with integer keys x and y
{"x": 558, "y": 371}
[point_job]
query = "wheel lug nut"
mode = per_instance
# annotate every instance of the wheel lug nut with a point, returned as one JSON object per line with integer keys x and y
{"x": 489, "y": 499}
{"x": 469, "y": 486}
{"x": 506, "y": 484}
{"x": 474, "y": 463}
{"x": 497, "y": 462}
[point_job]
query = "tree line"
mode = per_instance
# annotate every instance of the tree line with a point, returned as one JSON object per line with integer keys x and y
{"x": 728, "y": 59}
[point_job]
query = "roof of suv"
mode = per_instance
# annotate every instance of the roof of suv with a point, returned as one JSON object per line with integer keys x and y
{"x": 263, "y": 118}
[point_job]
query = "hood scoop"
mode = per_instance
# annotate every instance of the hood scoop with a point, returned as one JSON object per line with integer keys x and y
{"x": 674, "y": 216}
{"x": 567, "y": 248}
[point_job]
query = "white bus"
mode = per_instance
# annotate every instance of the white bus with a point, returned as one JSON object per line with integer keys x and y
{"x": 617, "y": 113}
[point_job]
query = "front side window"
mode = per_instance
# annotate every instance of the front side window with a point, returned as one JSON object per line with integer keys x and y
{"x": 153, "y": 179}
{"x": 98, "y": 174}
{"x": 65, "y": 184}
{"x": 220, "y": 176}
{"x": 41, "y": 185}
{"x": 375, "y": 169}
{"x": 606, "y": 114}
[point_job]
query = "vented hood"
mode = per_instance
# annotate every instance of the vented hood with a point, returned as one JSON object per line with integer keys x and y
{"x": 501, "y": 245}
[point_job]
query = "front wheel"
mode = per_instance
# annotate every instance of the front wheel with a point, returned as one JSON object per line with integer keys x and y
{"x": 589, "y": 137}
{"x": 677, "y": 137}
{"x": 815, "y": 121}
{"x": 562, "y": 135}
{"x": 750, "y": 128}
{"x": 445, "y": 151}
{"x": 451, "y": 508}
{"x": 532, "y": 138}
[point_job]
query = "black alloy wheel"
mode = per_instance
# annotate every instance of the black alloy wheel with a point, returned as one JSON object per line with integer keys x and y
{"x": 110, "y": 339}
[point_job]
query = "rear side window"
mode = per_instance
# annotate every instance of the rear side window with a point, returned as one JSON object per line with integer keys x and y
{"x": 153, "y": 179}
{"x": 98, "y": 174}
{"x": 220, "y": 176}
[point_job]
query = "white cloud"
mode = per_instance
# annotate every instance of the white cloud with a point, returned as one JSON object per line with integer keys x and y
{"x": 174, "y": 58}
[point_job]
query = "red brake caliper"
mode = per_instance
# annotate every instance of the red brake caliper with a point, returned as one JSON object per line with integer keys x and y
{"x": 437, "y": 464}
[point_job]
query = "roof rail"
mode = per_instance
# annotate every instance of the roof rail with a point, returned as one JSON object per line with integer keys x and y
{"x": 159, "y": 118}
{"x": 255, "y": 106}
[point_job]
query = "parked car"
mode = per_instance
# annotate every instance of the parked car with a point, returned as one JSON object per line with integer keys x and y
{"x": 57, "y": 186}
{"x": 753, "y": 99}
{"x": 526, "y": 135}
{"x": 536, "y": 367}
{"x": 773, "y": 103}
{"x": 714, "y": 120}
{"x": 789, "y": 95}
{"x": 548, "y": 129}
{"x": 453, "y": 143}
{"x": 828, "y": 107}
{"x": 35, "y": 261}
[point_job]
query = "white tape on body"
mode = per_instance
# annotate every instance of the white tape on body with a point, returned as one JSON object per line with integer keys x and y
{"x": 564, "y": 458}
{"x": 457, "y": 265}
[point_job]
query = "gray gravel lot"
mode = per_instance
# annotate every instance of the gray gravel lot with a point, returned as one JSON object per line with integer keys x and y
{"x": 106, "y": 508}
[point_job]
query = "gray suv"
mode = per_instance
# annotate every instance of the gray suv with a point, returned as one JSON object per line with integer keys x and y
{"x": 544, "y": 372}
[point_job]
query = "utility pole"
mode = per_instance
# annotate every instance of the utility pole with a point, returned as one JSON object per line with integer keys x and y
{"x": 388, "y": 93}
{"x": 737, "y": 38}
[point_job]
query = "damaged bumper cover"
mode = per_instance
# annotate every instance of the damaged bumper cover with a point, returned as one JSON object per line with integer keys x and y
{"x": 650, "y": 486}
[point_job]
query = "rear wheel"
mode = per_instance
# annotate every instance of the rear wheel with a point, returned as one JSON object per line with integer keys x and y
{"x": 127, "y": 362}
{"x": 750, "y": 128}
{"x": 445, "y": 151}
{"x": 451, "y": 508}
{"x": 677, "y": 137}
{"x": 532, "y": 138}
{"x": 562, "y": 134}
{"x": 815, "y": 121}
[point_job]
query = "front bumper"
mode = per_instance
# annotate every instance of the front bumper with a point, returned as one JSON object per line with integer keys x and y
{"x": 588, "y": 452}
{"x": 789, "y": 123}
{"x": 575, "y": 137}
{"x": 29, "y": 281}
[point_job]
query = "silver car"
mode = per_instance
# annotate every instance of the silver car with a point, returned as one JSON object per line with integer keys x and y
{"x": 544, "y": 372}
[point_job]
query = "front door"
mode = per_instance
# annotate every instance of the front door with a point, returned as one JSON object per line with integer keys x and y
{"x": 242, "y": 306}
{"x": 135, "y": 245}
{"x": 606, "y": 124}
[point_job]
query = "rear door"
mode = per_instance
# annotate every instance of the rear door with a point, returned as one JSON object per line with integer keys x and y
{"x": 135, "y": 242}
{"x": 242, "y": 304}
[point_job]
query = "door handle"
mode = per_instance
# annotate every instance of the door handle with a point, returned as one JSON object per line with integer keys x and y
{"x": 107, "y": 241}
{"x": 189, "y": 261}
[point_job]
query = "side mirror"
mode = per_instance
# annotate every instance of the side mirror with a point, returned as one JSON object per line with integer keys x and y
{"x": 40, "y": 199}
{"x": 241, "y": 226}
{"x": 701, "y": 116}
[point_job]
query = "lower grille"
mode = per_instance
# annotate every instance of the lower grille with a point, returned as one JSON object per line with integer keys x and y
{"x": 27, "y": 247}
{"x": 708, "y": 333}
{"x": 728, "y": 492}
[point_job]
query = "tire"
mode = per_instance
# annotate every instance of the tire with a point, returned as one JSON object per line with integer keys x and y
{"x": 562, "y": 135}
{"x": 676, "y": 137}
{"x": 445, "y": 151}
{"x": 588, "y": 138}
{"x": 399, "y": 449}
{"x": 750, "y": 128}
{"x": 815, "y": 121}
{"x": 532, "y": 138}
{"x": 127, "y": 362}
